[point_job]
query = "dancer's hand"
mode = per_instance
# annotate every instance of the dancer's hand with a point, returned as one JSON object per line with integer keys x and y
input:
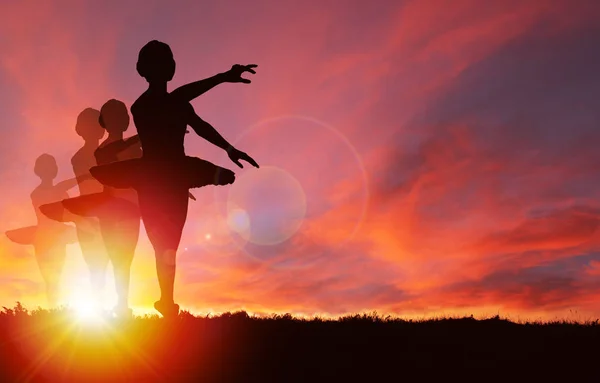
{"x": 236, "y": 155}
{"x": 236, "y": 71}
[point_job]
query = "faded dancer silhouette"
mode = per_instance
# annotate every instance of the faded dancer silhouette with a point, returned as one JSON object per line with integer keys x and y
{"x": 88, "y": 228}
{"x": 164, "y": 175}
{"x": 116, "y": 209}
{"x": 49, "y": 238}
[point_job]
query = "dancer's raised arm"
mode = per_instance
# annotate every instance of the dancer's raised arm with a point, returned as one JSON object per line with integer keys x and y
{"x": 195, "y": 89}
{"x": 132, "y": 140}
{"x": 109, "y": 152}
{"x": 72, "y": 182}
{"x": 206, "y": 131}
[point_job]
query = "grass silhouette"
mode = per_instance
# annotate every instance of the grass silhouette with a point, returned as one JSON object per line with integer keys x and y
{"x": 49, "y": 345}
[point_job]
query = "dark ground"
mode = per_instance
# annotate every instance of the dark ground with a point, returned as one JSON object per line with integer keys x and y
{"x": 48, "y": 346}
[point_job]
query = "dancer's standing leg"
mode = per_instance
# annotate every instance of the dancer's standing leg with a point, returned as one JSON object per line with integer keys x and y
{"x": 164, "y": 213}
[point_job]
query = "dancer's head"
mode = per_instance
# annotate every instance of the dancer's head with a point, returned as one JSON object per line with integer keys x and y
{"x": 88, "y": 126}
{"x": 155, "y": 62}
{"x": 114, "y": 116}
{"x": 46, "y": 167}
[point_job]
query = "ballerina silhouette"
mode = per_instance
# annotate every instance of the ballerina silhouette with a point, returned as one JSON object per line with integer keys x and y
{"x": 88, "y": 228}
{"x": 116, "y": 209}
{"x": 49, "y": 237}
{"x": 164, "y": 174}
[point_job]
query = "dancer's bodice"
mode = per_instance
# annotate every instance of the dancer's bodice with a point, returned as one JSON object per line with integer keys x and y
{"x": 82, "y": 161}
{"x": 46, "y": 194}
{"x": 113, "y": 152}
{"x": 161, "y": 122}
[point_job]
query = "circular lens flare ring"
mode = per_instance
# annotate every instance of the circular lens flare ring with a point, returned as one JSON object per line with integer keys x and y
{"x": 236, "y": 216}
{"x": 267, "y": 207}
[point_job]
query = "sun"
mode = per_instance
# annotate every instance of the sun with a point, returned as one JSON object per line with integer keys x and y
{"x": 85, "y": 311}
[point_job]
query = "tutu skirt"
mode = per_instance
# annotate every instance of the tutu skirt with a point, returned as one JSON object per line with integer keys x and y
{"x": 101, "y": 205}
{"x": 139, "y": 173}
{"x": 32, "y": 235}
{"x": 96, "y": 205}
{"x": 57, "y": 212}
{"x": 23, "y": 236}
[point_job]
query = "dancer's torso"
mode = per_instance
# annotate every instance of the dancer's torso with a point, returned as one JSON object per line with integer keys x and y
{"x": 47, "y": 194}
{"x": 161, "y": 122}
{"x": 82, "y": 161}
{"x": 113, "y": 151}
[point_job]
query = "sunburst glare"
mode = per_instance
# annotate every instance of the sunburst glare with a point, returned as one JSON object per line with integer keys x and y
{"x": 86, "y": 311}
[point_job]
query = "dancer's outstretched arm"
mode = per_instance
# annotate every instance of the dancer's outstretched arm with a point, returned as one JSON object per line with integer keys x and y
{"x": 206, "y": 131}
{"x": 72, "y": 182}
{"x": 132, "y": 140}
{"x": 129, "y": 142}
{"x": 190, "y": 91}
{"x": 110, "y": 152}
{"x": 195, "y": 89}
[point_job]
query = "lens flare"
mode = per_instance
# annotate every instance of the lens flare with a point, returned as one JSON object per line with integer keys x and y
{"x": 238, "y": 220}
{"x": 266, "y": 207}
{"x": 321, "y": 159}
{"x": 211, "y": 230}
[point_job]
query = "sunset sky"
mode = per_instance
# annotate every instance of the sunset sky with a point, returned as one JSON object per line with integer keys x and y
{"x": 418, "y": 157}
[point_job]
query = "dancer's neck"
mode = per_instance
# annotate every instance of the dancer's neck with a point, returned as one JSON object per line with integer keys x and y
{"x": 47, "y": 183}
{"x": 91, "y": 144}
{"x": 158, "y": 87}
{"x": 112, "y": 137}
